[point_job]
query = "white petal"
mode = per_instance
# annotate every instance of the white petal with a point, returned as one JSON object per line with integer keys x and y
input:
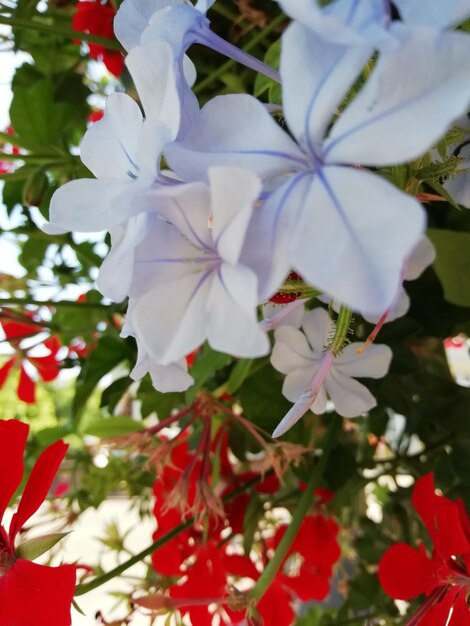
{"x": 297, "y": 382}
{"x": 293, "y": 383}
{"x": 398, "y": 309}
{"x": 236, "y": 130}
{"x": 232, "y": 325}
{"x": 350, "y": 398}
{"x": 233, "y": 194}
{"x": 133, "y": 18}
{"x": 188, "y": 207}
{"x": 438, "y": 13}
{"x": 342, "y": 21}
{"x": 109, "y": 147}
{"x": 292, "y": 352}
{"x": 152, "y": 69}
{"x": 115, "y": 277}
{"x": 86, "y": 205}
{"x": 170, "y": 321}
{"x": 267, "y": 248}
{"x": 412, "y": 97}
{"x": 421, "y": 257}
{"x": 371, "y": 363}
{"x": 277, "y": 315}
{"x": 318, "y": 327}
{"x": 165, "y": 378}
{"x": 316, "y": 76}
{"x": 354, "y": 232}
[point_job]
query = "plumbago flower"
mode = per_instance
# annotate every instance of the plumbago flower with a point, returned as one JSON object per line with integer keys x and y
{"x": 123, "y": 151}
{"x": 29, "y": 593}
{"x": 179, "y": 24}
{"x": 189, "y": 280}
{"x": 325, "y": 213}
{"x": 445, "y": 576}
{"x": 313, "y": 373}
{"x": 367, "y": 22}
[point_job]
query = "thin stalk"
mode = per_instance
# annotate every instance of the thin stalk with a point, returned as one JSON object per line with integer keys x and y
{"x": 264, "y": 581}
{"x": 207, "y": 82}
{"x": 100, "y": 580}
{"x": 55, "y": 303}
{"x": 32, "y": 24}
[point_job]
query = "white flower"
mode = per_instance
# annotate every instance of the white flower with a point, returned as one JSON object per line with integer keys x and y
{"x": 313, "y": 374}
{"x": 189, "y": 283}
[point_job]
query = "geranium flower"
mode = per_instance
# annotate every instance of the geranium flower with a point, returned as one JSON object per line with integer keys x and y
{"x": 405, "y": 572}
{"x": 313, "y": 374}
{"x": 47, "y": 367}
{"x": 29, "y": 593}
{"x": 97, "y": 19}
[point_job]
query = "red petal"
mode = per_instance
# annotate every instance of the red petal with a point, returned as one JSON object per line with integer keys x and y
{"x": 5, "y": 371}
{"x": 36, "y": 594}
{"x": 243, "y": 566}
{"x": 405, "y": 573}
{"x": 47, "y": 366}
{"x": 38, "y": 485}
{"x": 114, "y": 62}
{"x": 441, "y": 517}
{"x": 275, "y": 607}
{"x": 309, "y": 584}
{"x": 13, "y": 330}
{"x": 13, "y": 435}
{"x": 26, "y": 387}
{"x": 460, "y": 613}
{"x": 316, "y": 541}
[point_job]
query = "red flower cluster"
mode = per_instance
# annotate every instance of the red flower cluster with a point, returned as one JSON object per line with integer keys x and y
{"x": 96, "y": 18}
{"x": 7, "y": 166}
{"x": 47, "y": 366}
{"x": 202, "y": 565}
{"x": 405, "y": 572}
{"x": 29, "y": 593}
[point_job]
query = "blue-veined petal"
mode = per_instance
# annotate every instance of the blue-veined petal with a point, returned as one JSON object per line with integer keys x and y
{"x": 236, "y": 130}
{"x": 412, "y": 97}
{"x": 316, "y": 76}
{"x": 353, "y": 234}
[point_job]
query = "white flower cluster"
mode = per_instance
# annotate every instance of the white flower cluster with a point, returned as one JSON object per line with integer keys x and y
{"x": 199, "y": 246}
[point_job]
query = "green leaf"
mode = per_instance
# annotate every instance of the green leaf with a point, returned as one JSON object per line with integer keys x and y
{"x": 37, "y": 119}
{"x": 452, "y": 264}
{"x": 238, "y": 375}
{"x": 154, "y": 401}
{"x": 109, "y": 352}
{"x": 32, "y": 548}
{"x": 207, "y": 363}
{"x": 254, "y": 512}
{"x": 112, "y": 427}
{"x": 112, "y": 394}
{"x": 262, "y": 399}
{"x": 341, "y": 466}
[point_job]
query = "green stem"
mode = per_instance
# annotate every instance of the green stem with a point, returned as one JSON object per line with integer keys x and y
{"x": 32, "y": 24}
{"x": 275, "y": 23}
{"x": 340, "y": 337}
{"x": 13, "y": 141}
{"x": 100, "y": 580}
{"x": 269, "y": 573}
{"x": 55, "y": 303}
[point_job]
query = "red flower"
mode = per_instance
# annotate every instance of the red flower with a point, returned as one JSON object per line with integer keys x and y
{"x": 47, "y": 367}
{"x": 29, "y": 593}
{"x": 445, "y": 577}
{"x": 97, "y": 19}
